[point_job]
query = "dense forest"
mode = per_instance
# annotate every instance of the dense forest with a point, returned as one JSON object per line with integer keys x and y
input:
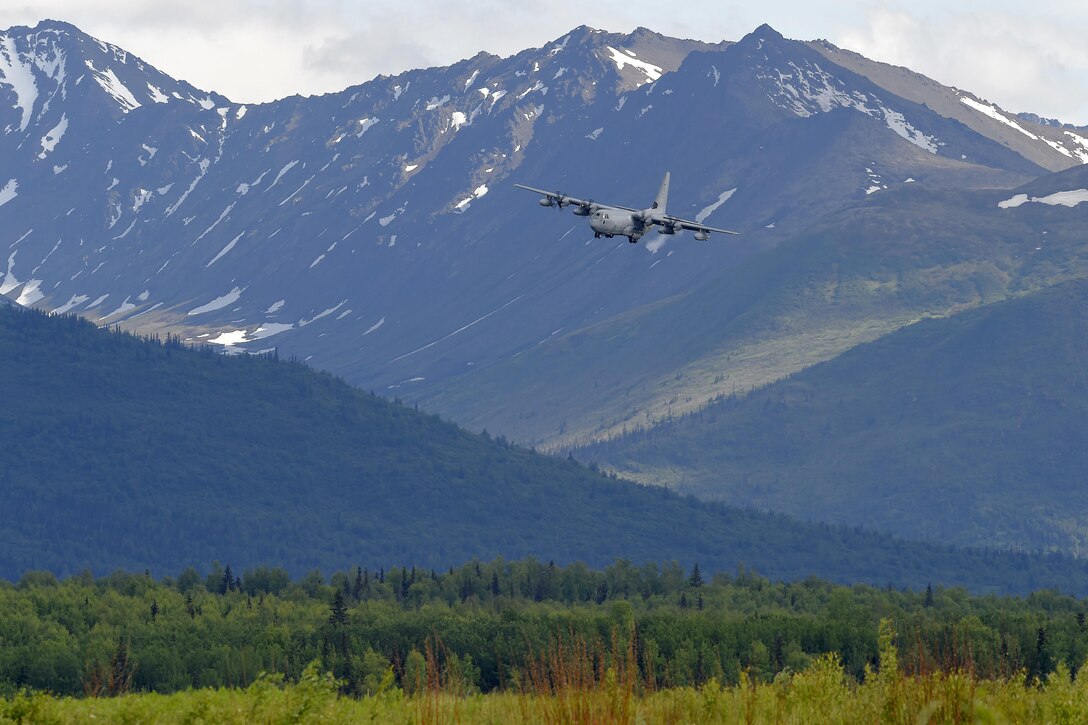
{"x": 490, "y": 625}
{"x": 966, "y": 430}
{"x": 121, "y": 452}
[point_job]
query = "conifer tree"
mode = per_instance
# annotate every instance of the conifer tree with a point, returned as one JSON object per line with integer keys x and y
{"x": 338, "y": 615}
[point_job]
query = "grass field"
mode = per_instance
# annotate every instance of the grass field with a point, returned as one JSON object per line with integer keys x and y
{"x": 572, "y": 690}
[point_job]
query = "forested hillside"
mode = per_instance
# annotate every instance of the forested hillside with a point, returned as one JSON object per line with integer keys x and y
{"x": 121, "y": 452}
{"x": 968, "y": 429}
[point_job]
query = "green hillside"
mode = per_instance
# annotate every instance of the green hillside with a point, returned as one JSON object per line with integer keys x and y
{"x": 891, "y": 259}
{"x": 118, "y": 452}
{"x": 969, "y": 430}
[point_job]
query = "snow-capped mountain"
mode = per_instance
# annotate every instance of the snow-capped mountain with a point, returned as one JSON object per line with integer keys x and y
{"x": 376, "y": 232}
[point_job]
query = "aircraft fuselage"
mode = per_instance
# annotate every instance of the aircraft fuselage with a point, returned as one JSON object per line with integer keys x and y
{"x": 609, "y": 222}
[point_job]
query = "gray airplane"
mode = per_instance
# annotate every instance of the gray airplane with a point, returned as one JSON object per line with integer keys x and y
{"x": 608, "y": 220}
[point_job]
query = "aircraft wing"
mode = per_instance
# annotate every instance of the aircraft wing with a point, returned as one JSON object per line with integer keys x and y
{"x": 693, "y": 226}
{"x": 563, "y": 200}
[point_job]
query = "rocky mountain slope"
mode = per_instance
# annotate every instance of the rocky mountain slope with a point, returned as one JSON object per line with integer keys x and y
{"x": 375, "y": 232}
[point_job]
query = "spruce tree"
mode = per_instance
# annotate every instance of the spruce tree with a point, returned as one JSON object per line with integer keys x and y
{"x": 338, "y": 615}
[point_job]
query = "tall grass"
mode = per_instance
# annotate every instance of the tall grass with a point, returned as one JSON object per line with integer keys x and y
{"x": 582, "y": 681}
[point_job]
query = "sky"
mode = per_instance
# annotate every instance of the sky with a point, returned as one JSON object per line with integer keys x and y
{"x": 1022, "y": 56}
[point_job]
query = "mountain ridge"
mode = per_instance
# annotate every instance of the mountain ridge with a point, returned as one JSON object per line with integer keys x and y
{"x": 126, "y": 453}
{"x": 374, "y": 231}
{"x": 964, "y": 429}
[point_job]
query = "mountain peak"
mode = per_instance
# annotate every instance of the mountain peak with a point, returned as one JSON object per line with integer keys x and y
{"x": 44, "y": 67}
{"x": 765, "y": 32}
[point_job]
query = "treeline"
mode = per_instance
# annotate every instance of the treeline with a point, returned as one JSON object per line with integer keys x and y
{"x": 488, "y": 626}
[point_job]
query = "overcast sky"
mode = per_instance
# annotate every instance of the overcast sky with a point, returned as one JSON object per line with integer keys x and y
{"x": 1022, "y": 56}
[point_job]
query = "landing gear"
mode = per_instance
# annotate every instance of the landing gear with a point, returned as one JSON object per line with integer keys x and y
{"x": 596, "y": 235}
{"x": 633, "y": 240}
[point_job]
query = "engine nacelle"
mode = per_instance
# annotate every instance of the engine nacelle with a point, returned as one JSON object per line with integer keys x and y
{"x": 701, "y": 236}
{"x": 668, "y": 229}
{"x": 547, "y": 201}
{"x": 582, "y": 211}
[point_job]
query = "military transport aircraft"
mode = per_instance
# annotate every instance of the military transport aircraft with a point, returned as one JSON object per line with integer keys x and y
{"x": 608, "y": 220}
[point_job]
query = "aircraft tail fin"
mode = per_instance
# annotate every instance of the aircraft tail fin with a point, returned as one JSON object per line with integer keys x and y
{"x": 662, "y": 196}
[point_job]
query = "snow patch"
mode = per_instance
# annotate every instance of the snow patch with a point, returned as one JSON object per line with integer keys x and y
{"x": 898, "y": 123}
{"x": 225, "y": 249}
{"x": 9, "y": 191}
{"x": 1060, "y": 198}
{"x": 10, "y": 282}
{"x": 53, "y": 137}
{"x": 991, "y": 111}
{"x": 275, "y": 307}
{"x": 374, "y": 327}
{"x": 31, "y": 293}
{"x": 365, "y": 124}
{"x": 142, "y": 197}
{"x": 229, "y": 338}
{"x": 72, "y": 303}
{"x": 222, "y": 216}
{"x": 708, "y": 210}
{"x": 219, "y": 302}
{"x": 19, "y": 76}
{"x": 204, "y": 164}
{"x": 808, "y": 89}
{"x": 287, "y": 167}
{"x": 269, "y": 329}
{"x": 112, "y": 85}
{"x": 151, "y": 151}
{"x": 621, "y": 60}
{"x": 325, "y": 313}
{"x": 435, "y": 102}
{"x": 123, "y": 309}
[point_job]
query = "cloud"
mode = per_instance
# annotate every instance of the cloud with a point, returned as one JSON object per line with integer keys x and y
{"x": 258, "y": 50}
{"x": 1021, "y": 62}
